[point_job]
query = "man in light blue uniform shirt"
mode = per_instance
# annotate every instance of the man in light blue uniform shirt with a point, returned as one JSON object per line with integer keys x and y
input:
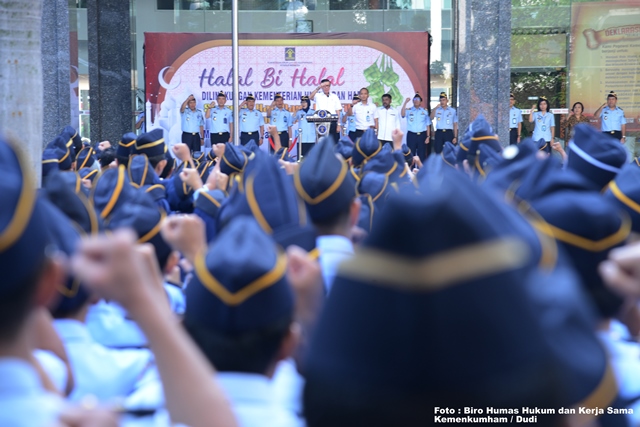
{"x": 445, "y": 119}
{"x": 418, "y": 122}
{"x": 192, "y": 124}
{"x": 281, "y": 119}
{"x": 251, "y": 121}
{"x": 515, "y": 122}
{"x": 306, "y": 131}
{"x": 220, "y": 120}
{"x": 349, "y": 121}
{"x": 612, "y": 120}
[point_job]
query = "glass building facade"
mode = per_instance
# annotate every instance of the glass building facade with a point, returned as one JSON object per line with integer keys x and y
{"x": 540, "y": 40}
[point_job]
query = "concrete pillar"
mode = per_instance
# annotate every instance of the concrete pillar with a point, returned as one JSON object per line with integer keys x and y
{"x": 484, "y": 63}
{"x": 55, "y": 68}
{"x": 109, "y": 34}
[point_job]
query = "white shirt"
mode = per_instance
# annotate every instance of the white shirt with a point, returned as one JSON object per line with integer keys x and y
{"x": 54, "y": 367}
{"x": 23, "y": 401}
{"x": 330, "y": 103}
{"x": 252, "y": 401}
{"x": 388, "y": 121}
{"x": 288, "y": 386}
{"x": 106, "y": 373}
{"x": 365, "y": 115}
{"x": 333, "y": 250}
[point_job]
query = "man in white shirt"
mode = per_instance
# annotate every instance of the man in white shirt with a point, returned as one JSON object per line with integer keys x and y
{"x": 325, "y": 100}
{"x": 388, "y": 121}
{"x": 365, "y": 113}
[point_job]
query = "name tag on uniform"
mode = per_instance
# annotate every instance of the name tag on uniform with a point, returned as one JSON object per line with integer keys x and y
{"x": 225, "y": 121}
{"x": 544, "y": 128}
{"x": 448, "y": 121}
{"x": 513, "y": 120}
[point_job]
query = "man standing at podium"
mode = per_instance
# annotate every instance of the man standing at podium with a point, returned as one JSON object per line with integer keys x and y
{"x": 325, "y": 100}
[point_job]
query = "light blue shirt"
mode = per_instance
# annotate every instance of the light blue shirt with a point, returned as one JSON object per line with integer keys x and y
{"x": 23, "y": 401}
{"x": 191, "y": 120}
{"x": 143, "y": 126}
{"x": 445, "y": 118}
{"x": 97, "y": 370}
{"x": 515, "y": 117}
{"x": 308, "y": 129}
{"x": 282, "y": 119}
{"x": 351, "y": 121}
{"x": 333, "y": 250}
{"x": 417, "y": 119}
{"x": 220, "y": 120}
{"x": 612, "y": 120}
{"x": 250, "y": 120}
{"x": 542, "y": 126}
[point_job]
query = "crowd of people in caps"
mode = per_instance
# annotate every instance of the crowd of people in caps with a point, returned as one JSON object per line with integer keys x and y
{"x": 148, "y": 286}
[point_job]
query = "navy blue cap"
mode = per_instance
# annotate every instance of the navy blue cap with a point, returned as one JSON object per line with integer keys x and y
{"x": 111, "y": 190}
{"x": 461, "y": 274}
{"x": 64, "y": 155}
{"x": 85, "y": 158}
{"x": 373, "y": 190}
{"x": 87, "y": 173}
{"x": 270, "y": 198}
{"x": 74, "y": 182}
{"x": 151, "y": 143}
{"x": 479, "y": 133}
{"x": 250, "y": 147}
{"x": 344, "y": 147}
{"x": 450, "y": 153}
{"x": 127, "y": 145}
{"x": 240, "y": 284}
{"x": 72, "y": 203}
{"x": 587, "y": 226}
{"x": 72, "y": 138}
{"x": 233, "y": 160}
{"x": 388, "y": 163}
{"x": 49, "y": 162}
{"x": 545, "y": 177}
{"x": 198, "y": 157}
{"x": 140, "y": 172}
{"x": 23, "y": 236}
{"x": 365, "y": 148}
{"x": 596, "y": 156}
{"x": 66, "y": 238}
{"x": 138, "y": 211}
{"x": 210, "y": 201}
{"x": 486, "y": 159}
{"x": 283, "y": 154}
{"x": 624, "y": 191}
{"x": 517, "y": 160}
{"x": 324, "y": 183}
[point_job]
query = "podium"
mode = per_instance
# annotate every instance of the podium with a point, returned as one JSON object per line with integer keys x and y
{"x": 322, "y": 119}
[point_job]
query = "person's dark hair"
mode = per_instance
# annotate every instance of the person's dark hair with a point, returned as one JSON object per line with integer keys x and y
{"x": 574, "y": 106}
{"x": 106, "y": 157}
{"x": 252, "y": 352}
{"x": 123, "y": 160}
{"x": 15, "y": 305}
{"x": 540, "y": 101}
{"x": 386, "y": 95}
{"x": 325, "y": 81}
{"x": 327, "y": 226}
{"x": 153, "y": 161}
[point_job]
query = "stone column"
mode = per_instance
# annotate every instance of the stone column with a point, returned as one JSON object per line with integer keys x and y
{"x": 484, "y": 63}
{"x": 109, "y": 34}
{"x": 55, "y": 68}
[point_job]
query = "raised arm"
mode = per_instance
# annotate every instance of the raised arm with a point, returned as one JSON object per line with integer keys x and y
{"x": 404, "y": 107}
{"x": 531, "y": 118}
{"x": 186, "y": 101}
{"x": 598, "y": 111}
